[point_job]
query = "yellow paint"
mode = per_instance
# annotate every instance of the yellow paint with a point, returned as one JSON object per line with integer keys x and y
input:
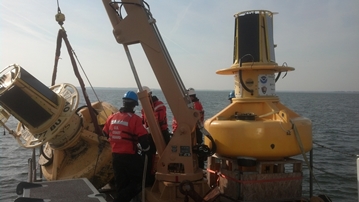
{"x": 267, "y": 137}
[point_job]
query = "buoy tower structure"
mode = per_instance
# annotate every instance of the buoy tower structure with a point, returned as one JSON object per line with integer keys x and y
{"x": 256, "y": 124}
{"x": 256, "y": 135}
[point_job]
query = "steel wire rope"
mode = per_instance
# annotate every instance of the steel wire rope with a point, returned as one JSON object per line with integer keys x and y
{"x": 345, "y": 153}
{"x": 330, "y": 173}
{"x": 62, "y": 34}
{"x": 296, "y": 133}
{"x": 333, "y": 174}
{"x": 60, "y": 18}
{"x": 322, "y": 169}
{"x": 101, "y": 143}
{"x": 88, "y": 80}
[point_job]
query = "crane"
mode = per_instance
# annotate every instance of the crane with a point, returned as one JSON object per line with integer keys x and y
{"x": 176, "y": 161}
{"x": 256, "y": 133}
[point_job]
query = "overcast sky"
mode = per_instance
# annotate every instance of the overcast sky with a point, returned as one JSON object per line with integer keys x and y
{"x": 320, "y": 39}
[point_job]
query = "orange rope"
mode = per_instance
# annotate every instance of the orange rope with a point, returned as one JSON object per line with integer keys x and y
{"x": 253, "y": 181}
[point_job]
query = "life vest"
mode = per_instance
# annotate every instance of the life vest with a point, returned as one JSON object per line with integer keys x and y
{"x": 197, "y": 105}
{"x": 121, "y": 139}
{"x": 160, "y": 113}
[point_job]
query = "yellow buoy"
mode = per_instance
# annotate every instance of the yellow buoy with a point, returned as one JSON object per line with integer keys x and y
{"x": 256, "y": 124}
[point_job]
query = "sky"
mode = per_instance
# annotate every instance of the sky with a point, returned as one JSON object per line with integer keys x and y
{"x": 320, "y": 39}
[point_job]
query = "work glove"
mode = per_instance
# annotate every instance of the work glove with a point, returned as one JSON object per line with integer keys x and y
{"x": 148, "y": 129}
{"x": 105, "y": 134}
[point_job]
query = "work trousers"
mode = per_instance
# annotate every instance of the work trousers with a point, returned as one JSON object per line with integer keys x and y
{"x": 199, "y": 138}
{"x": 151, "y": 155}
{"x": 128, "y": 171}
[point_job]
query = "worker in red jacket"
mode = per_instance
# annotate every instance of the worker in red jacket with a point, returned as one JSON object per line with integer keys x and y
{"x": 197, "y": 105}
{"x": 160, "y": 112}
{"x": 124, "y": 130}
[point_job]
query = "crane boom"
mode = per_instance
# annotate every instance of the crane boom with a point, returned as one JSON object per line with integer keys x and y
{"x": 176, "y": 160}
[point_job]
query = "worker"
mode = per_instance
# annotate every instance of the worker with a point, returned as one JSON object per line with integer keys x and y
{"x": 197, "y": 105}
{"x": 160, "y": 113}
{"x": 125, "y": 130}
{"x": 231, "y": 95}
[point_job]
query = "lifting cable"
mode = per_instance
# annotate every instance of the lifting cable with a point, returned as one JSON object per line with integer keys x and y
{"x": 60, "y": 18}
{"x": 63, "y": 36}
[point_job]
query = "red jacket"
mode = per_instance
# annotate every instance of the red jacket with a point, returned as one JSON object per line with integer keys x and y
{"x": 124, "y": 129}
{"x": 197, "y": 105}
{"x": 159, "y": 110}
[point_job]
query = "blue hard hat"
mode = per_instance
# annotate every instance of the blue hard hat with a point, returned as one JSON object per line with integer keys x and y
{"x": 130, "y": 96}
{"x": 231, "y": 95}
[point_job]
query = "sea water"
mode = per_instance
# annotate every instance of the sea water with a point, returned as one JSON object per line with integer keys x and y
{"x": 334, "y": 115}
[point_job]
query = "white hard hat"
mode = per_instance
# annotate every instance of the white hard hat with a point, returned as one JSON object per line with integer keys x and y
{"x": 146, "y": 88}
{"x": 191, "y": 91}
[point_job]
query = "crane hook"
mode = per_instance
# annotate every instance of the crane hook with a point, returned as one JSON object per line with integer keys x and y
{"x": 59, "y": 17}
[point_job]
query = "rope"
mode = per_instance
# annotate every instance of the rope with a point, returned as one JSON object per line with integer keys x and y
{"x": 320, "y": 169}
{"x": 73, "y": 62}
{"x": 57, "y": 57}
{"x": 296, "y": 133}
{"x": 88, "y": 80}
{"x": 60, "y": 18}
{"x": 144, "y": 178}
{"x": 345, "y": 153}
